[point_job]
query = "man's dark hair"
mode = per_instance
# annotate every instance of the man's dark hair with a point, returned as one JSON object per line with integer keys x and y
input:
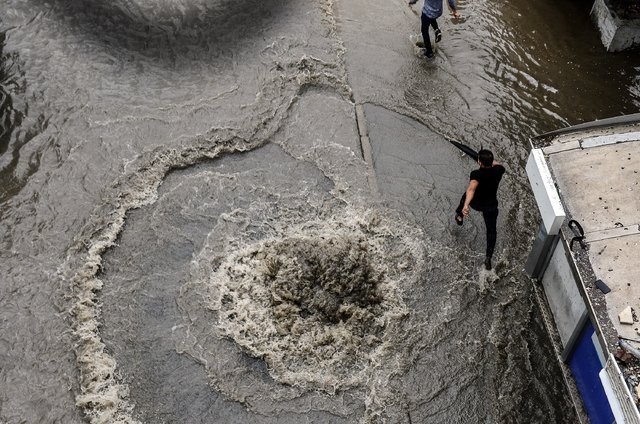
{"x": 485, "y": 157}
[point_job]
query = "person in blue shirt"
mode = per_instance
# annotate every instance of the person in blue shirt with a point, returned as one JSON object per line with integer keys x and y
{"x": 431, "y": 11}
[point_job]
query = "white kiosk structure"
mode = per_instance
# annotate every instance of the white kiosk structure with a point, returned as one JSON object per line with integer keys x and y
{"x": 586, "y": 256}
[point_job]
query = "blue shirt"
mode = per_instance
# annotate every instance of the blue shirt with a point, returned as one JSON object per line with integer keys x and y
{"x": 432, "y": 9}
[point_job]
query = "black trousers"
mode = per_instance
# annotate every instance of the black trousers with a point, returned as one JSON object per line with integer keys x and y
{"x": 425, "y": 32}
{"x": 490, "y": 222}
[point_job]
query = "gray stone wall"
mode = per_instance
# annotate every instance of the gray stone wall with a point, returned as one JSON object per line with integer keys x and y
{"x": 618, "y": 23}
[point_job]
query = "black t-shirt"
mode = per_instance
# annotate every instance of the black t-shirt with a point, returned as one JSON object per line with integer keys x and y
{"x": 485, "y": 197}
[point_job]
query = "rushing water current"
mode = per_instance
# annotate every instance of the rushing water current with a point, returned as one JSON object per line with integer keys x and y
{"x": 195, "y": 226}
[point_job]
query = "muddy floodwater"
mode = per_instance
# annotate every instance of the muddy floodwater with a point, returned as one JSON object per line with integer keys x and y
{"x": 242, "y": 212}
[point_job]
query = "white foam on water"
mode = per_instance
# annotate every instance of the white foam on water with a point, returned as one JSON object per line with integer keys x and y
{"x": 102, "y": 396}
{"x": 320, "y": 302}
{"x": 314, "y": 306}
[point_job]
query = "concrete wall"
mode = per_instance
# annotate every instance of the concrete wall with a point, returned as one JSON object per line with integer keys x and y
{"x": 616, "y": 34}
{"x": 562, "y": 293}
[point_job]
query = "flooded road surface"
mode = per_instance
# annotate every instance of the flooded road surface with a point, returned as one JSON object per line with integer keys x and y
{"x": 197, "y": 226}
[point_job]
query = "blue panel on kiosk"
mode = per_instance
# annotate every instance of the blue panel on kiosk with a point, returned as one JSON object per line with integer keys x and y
{"x": 585, "y": 366}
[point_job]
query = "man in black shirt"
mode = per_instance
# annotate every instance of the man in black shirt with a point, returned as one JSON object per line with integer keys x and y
{"x": 481, "y": 195}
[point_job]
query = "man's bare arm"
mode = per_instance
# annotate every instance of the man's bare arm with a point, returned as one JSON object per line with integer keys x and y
{"x": 471, "y": 191}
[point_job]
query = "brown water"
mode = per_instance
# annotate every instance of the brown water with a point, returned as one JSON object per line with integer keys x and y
{"x": 189, "y": 232}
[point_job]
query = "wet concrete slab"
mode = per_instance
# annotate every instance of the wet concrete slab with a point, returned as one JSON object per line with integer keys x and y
{"x": 336, "y": 148}
{"x": 419, "y": 171}
{"x": 376, "y": 50}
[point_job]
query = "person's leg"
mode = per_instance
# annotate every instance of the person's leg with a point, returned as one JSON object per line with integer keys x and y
{"x": 437, "y": 32}
{"x": 425, "y": 35}
{"x": 491, "y": 221}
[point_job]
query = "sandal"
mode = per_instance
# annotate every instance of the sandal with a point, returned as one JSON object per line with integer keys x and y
{"x": 459, "y": 218}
